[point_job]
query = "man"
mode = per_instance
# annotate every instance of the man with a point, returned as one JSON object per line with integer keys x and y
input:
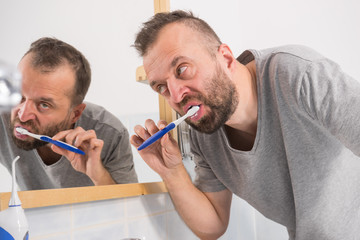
{"x": 277, "y": 127}
{"x": 55, "y": 79}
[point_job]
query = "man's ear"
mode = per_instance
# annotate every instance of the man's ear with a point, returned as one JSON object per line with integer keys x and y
{"x": 77, "y": 111}
{"x": 227, "y": 55}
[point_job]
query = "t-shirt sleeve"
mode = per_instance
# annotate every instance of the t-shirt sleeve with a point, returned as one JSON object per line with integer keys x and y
{"x": 332, "y": 97}
{"x": 119, "y": 160}
{"x": 116, "y": 154}
{"x": 205, "y": 179}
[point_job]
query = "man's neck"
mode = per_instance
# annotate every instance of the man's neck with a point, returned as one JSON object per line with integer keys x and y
{"x": 242, "y": 126}
{"x": 245, "y": 116}
{"x": 240, "y": 140}
{"x": 47, "y": 155}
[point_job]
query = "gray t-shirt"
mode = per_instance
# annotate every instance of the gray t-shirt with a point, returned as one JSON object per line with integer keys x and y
{"x": 304, "y": 168}
{"x": 33, "y": 174}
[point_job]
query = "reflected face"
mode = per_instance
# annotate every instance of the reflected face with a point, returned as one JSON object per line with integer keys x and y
{"x": 180, "y": 68}
{"x": 45, "y": 107}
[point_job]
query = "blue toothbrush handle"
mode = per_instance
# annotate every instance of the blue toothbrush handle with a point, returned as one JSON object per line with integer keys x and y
{"x": 62, "y": 145}
{"x": 156, "y": 136}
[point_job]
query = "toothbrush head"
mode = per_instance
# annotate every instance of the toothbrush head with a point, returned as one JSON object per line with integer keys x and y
{"x": 21, "y": 130}
{"x": 192, "y": 110}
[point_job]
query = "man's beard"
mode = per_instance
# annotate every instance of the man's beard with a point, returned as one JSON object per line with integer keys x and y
{"x": 33, "y": 143}
{"x": 222, "y": 99}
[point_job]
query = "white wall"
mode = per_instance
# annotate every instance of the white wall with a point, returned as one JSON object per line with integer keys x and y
{"x": 329, "y": 26}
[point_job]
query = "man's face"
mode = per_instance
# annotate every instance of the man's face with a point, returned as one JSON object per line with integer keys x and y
{"x": 180, "y": 68}
{"x": 45, "y": 107}
{"x": 220, "y": 97}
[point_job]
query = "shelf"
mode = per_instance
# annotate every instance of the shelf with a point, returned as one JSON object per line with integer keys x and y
{"x": 52, "y": 197}
{"x": 141, "y": 75}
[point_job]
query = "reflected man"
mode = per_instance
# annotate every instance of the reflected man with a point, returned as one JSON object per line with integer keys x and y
{"x": 55, "y": 80}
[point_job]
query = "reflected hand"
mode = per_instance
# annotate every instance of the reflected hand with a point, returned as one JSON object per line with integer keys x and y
{"x": 90, "y": 163}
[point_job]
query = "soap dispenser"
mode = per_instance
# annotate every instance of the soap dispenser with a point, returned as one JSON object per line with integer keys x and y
{"x": 13, "y": 222}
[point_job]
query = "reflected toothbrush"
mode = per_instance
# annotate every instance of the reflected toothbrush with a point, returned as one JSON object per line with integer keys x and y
{"x": 168, "y": 128}
{"x": 48, "y": 139}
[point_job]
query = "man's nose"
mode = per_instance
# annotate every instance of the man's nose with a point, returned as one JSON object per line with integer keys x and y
{"x": 178, "y": 90}
{"x": 26, "y": 111}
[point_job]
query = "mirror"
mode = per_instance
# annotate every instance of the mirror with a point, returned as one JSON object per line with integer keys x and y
{"x": 104, "y": 32}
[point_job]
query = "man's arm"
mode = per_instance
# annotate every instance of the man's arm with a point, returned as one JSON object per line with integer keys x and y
{"x": 206, "y": 214}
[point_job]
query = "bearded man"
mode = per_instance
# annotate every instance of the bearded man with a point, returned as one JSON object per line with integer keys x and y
{"x": 55, "y": 80}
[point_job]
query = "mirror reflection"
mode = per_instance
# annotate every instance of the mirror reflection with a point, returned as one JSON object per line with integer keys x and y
{"x": 103, "y": 33}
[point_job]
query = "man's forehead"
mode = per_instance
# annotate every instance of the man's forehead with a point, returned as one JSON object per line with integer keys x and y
{"x": 172, "y": 35}
{"x": 162, "y": 63}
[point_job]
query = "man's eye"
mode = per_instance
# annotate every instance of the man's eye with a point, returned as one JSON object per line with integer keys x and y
{"x": 180, "y": 70}
{"x": 44, "y": 105}
{"x": 161, "y": 89}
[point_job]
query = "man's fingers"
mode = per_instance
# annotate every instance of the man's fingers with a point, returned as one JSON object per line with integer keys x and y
{"x": 151, "y": 127}
{"x": 136, "y": 141}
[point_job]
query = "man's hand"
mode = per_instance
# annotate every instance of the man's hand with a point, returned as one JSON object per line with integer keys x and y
{"x": 163, "y": 156}
{"x": 90, "y": 163}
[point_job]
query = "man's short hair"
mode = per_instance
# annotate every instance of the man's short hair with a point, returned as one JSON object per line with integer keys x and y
{"x": 150, "y": 30}
{"x": 50, "y": 53}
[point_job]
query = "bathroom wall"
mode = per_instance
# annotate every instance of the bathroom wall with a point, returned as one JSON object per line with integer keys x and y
{"x": 329, "y": 26}
{"x": 146, "y": 217}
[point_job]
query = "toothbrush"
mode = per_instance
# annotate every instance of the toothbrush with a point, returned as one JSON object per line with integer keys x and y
{"x": 169, "y": 127}
{"x": 48, "y": 139}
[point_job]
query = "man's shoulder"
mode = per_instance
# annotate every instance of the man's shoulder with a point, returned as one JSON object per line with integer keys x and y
{"x": 286, "y": 52}
{"x": 95, "y": 116}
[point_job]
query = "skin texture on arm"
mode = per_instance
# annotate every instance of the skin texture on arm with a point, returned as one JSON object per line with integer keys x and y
{"x": 206, "y": 214}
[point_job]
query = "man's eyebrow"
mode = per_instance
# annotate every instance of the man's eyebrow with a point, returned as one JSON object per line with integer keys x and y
{"x": 172, "y": 64}
{"x": 45, "y": 99}
{"x": 153, "y": 83}
{"x": 175, "y": 61}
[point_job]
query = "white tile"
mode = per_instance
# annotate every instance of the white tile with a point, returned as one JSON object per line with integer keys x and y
{"x": 146, "y": 205}
{"x": 97, "y": 212}
{"x": 48, "y": 220}
{"x": 64, "y": 236}
{"x": 177, "y": 229}
{"x": 148, "y": 228}
{"x": 114, "y": 231}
